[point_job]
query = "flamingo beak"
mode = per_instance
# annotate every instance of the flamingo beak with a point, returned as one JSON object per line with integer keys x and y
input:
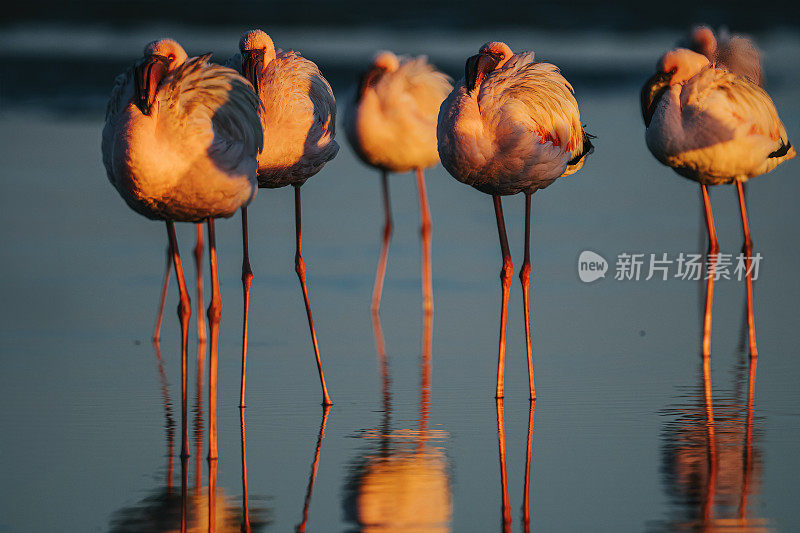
{"x": 148, "y": 75}
{"x": 477, "y": 66}
{"x": 252, "y": 65}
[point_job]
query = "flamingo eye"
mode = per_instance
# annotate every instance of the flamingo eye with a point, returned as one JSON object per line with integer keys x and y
{"x": 171, "y": 57}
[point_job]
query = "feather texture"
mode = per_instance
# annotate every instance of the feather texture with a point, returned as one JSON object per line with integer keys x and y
{"x": 717, "y": 127}
{"x": 392, "y": 124}
{"x": 194, "y": 155}
{"x": 298, "y": 116}
{"x": 519, "y": 131}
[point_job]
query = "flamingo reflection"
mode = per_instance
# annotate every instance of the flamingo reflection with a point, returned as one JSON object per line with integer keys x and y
{"x": 301, "y": 527}
{"x": 402, "y": 481}
{"x": 711, "y": 462}
{"x": 167, "y": 509}
{"x": 505, "y": 516}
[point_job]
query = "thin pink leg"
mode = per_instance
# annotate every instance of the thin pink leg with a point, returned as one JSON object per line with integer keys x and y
{"x": 377, "y": 290}
{"x": 300, "y": 268}
{"x": 198, "y": 261}
{"x": 247, "y": 280}
{"x": 184, "y": 312}
{"x": 425, "y": 233}
{"x": 525, "y": 279}
{"x": 748, "y": 252}
{"x": 164, "y": 288}
{"x": 713, "y": 250}
{"x": 506, "y": 273}
{"x": 214, "y": 317}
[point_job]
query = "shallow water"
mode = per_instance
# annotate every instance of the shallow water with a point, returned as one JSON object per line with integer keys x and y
{"x": 620, "y": 434}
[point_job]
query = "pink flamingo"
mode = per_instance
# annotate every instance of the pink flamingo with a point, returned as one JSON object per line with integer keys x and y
{"x": 180, "y": 144}
{"x": 511, "y": 125}
{"x": 298, "y": 114}
{"x": 391, "y": 125}
{"x": 714, "y": 127}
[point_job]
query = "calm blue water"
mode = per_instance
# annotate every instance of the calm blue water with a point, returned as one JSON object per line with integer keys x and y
{"x": 620, "y": 440}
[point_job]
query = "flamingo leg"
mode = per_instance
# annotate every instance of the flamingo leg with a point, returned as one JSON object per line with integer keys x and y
{"x": 526, "y": 509}
{"x": 164, "y": 288}
{"x": 506, "y": 273}
{"x": 525, "y": 279}
{"x": 184, "y": 312}
{"x": 713, "y": 250}
{"x": 377, "y": 290}
{"x": 198, "y": 416}
{"x": 198, "y": 261}
{"x": 501, "y": 440}
{"x": 425, "y": 233}
{"x": 748, "y": 251}
{"x": 301, "y": 527}
{"x": 300, "y": 268}
{"x": 247, "y": 280}
{"x": 214, "y": 317}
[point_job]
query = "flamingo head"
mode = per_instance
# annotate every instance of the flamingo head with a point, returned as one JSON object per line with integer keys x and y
{"x": 160, "y": 58}
{"x": 703, "y": 41}
{"x": 680, "y": 65}
{"x": 490, "y": 57}
{"x": 257, "y": 51}
{"x": 674, "y": 68}
{"x": 383, "y": 62}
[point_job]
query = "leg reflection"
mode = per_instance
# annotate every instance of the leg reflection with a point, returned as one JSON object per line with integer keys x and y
{"x": 245, "y": 495}
{"x": 501, "y": 439}
{"x": 526, "y": 511}
{"x": 212, "y": 495}
{"x": 301, "y": 527}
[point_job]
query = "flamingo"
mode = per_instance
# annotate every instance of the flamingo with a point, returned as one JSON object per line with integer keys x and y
{"x": 511, "y": 125}
{"x": 735, "y": 53}
{"x": 299, "y": 119}
{"x": 180, "y": 144}
{"x": 391, "y": 125}
{"x": 713, "y": 127}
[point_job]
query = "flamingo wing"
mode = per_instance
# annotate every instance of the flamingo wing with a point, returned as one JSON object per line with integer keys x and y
{"x": 526, "y": 98}
{"x": 199, "y": 92}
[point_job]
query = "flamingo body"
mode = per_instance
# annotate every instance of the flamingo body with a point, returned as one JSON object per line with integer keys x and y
{"x": 391, "y": 122}
{"x": 298, "y": 113}
{"x": 710, "y": 125}
{"x": 194, "y": 155}
{"x": 519, "y": 130}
